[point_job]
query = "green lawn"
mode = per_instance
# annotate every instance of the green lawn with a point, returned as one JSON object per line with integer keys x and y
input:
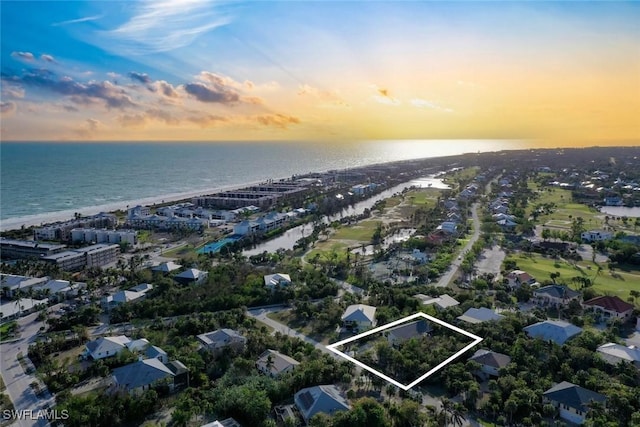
{"x": 423, "y": 197}
{"x": 361, "y": 232}
{"x": 616, "y": 283}
{"x": 7, "y": 330}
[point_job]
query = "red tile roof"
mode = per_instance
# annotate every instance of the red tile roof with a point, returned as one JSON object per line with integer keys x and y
{"x": 610, "y": 303}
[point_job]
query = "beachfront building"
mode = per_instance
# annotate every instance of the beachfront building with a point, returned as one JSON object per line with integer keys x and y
{"x": 263, "y": 196}
{"x": 27, "y": 249}
{"x": 95, "y": 235}
{"x": 61, "y": 231}
{"x": 97, "y": 255}
{"x": 159, "y": 222}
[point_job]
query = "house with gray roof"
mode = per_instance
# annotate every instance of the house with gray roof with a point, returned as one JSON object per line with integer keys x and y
{"x": 142, "y": 375}
{"x": 274, "y": 363}
{"x": 557, "y": 331}
{"x": 490, "y": 361}
{"x": 359, "y": 317}
{"x": 615, "y": 353}
{"x": 216, "y": 341}
{"x": 401, "y": 333}
{"x": 191, "y": 276}
{"x": 154, "y": 352}
{"x": 555, "y": 295}
{"x": 166, "y": 267}
{"x": 272, "y": 281}
{"x": 321, "y": 398}
{"x": 103, "y": 347}
{"x": 479, "y": 315}
{"x": 572, "y": 401}
{"x": 441, "y": 302}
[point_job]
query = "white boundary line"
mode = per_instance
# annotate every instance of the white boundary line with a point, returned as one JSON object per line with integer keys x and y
{"x": 333, "y": 348}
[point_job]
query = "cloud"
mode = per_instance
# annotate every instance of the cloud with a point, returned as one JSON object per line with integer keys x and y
{"x": 11, "y": 91}
{"x": 326, "y": 97}
{"x": 164, "y": 25}
{"x": 140, "y": 77}
{"x": 384, "y": 92}
{"x": 89, "y": 129}
{"x": 70, "y": 108}
{"x": 25, "y": 56}
{"x": 47, "y": 58}
{"x": 166, "y": 89}
{"x": 423, "y": 103}
{"x": 281, "y": 121}
{"x": 207, "y": 120}
{"x": 81, "y": 93}
{"x": 204, "y": 93}
{"x": 133, "y": 120}
{"x": 8, "y": 108}
{"x": 77, "y": 21}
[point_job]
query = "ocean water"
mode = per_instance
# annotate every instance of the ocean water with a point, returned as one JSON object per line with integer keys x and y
{"x": 51, "y": 181}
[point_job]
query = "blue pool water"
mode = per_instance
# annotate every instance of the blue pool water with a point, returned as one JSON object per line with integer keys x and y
{"x": 212, "y": 248}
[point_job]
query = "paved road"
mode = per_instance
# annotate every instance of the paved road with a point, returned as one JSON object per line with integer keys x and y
{"x": 17, "y": 381}
{"x": 447, "y": 277}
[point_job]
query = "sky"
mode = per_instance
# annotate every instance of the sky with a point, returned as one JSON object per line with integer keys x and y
{"x": 563, "y": 72}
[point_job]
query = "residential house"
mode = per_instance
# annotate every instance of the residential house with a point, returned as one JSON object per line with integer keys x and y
{"x": 104, "y": 347}
{"x": 359, "y": 317}
{"x": 596, "y": 235}
{"x": 518, "y": 278}
{"x": 274, "y": 363}
{"x": 557, "y": 331}
{"x": 216, "y": 341}
{"x": 555, "y": 295}
{"x": 448, "y": 227}
{"x": 490, "y": 361}
{"x": 166, "y": 267}
{"x": 137, "y": 293}
{"x": 321, "y": 398}
{"x": 480, "y": 315}
{"x": 191, "y": 276}
{"x": 616, "y": 353}
{"x": 142, "y": 375}
{"x": 611, "y": 307}
{"x": 272, "y": 281}
{"x": 229, "y": 422}
{"x": 441, "y": 302}
{"x": 572, "y": 401}
{"x": 154, "y": 352}
{"x": 401, "y": 333}
{"x": 419, "y": 257}
{"x": 180, "y": 374}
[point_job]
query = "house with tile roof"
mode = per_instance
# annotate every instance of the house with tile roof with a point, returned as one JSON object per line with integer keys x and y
{"x": 615, "y": 353}
{"x": 490, "y": 361}
{"x": 273, "y": 363}
{"x": 216, "y": 341}
{"x": 555, "y": 295}
{"x": 359, "y": 317}
{"x": 142, "y": 375}
{"x": 572, "y": 401}
{"x": 611, "y": 307}
{"x": 479, "y": 315}
{"x": 557, "y": 331}
{"x": 321, "y": 398}
{"x": 401, "y": 333}
{"x": 517, "y": 278}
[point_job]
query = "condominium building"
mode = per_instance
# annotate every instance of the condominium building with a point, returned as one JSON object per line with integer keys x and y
{"x": 92, "y": 256}
{"x": 22, "y": 249}
{"x": 61, "y": 231}
{"x": 94, "y": 235}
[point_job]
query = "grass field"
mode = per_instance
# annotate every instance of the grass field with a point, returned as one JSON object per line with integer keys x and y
{"x": 361, "y": 232}
{"x": 427, "y": 197}
{"x": 618, "y": 282}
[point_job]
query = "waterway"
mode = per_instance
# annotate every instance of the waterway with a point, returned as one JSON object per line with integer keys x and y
{"x": 289, "y": 238}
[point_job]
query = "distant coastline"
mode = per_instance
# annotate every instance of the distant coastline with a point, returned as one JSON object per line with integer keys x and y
{"x": 116, "y": 175}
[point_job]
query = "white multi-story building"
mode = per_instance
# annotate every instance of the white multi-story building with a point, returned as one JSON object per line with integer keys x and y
{"x": 93, "y": 235}
{"x": 92, "y": 256}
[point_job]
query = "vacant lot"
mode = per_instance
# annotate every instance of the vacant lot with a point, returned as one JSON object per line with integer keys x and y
{"x": 606, "y": 282}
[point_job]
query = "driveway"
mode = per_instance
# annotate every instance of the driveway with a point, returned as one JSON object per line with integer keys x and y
{"x": 447, "y": 277}
{"x": 17, "y": 381}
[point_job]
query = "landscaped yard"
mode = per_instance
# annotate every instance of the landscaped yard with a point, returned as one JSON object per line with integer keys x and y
{"x": 361, "y": 232}
{"x": 617, "y": 282}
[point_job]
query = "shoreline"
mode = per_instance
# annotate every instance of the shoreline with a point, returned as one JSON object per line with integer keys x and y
{"x": 43, "y": 219}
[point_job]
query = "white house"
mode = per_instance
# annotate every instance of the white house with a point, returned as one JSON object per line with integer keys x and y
{"x": 616, "y": 353}
{"x": 572, "y": 401}
{"x": 359, "y": 317}
{"x": 104, "y": 347}
{"x": 610, "y": 307}
{"x": 274, "y": 363}
{"x": 490, "y": 361}
{"x": 441, "y": 302}
{"x": 279, "y": 279}
{"x": 596, "y": 235}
